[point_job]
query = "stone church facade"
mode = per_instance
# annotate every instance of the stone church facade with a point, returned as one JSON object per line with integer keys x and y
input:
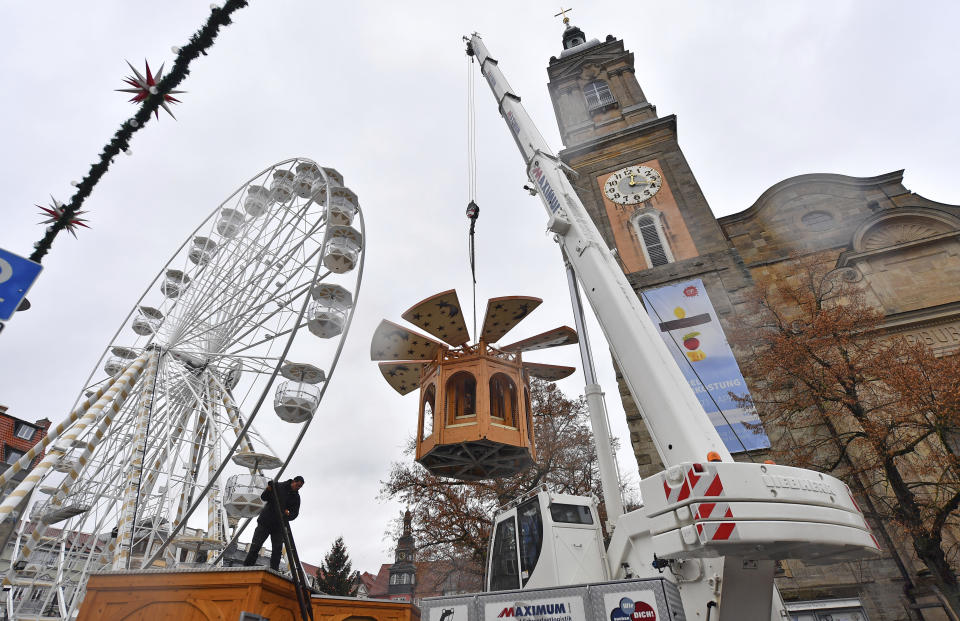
{"x": 905, "y": 248}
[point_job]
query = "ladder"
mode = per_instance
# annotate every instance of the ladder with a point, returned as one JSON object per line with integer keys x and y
{"x": 293, "y": 560}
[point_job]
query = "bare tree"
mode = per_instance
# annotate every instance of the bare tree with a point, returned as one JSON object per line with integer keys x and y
{"x": 451, "y": 519}
{"x": 839, "y": 394}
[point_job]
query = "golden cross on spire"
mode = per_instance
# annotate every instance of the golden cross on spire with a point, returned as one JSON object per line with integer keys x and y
{"x": 563, "y": 12}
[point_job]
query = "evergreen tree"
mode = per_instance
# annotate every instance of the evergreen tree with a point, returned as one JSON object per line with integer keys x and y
{"x": 335, "y": 576}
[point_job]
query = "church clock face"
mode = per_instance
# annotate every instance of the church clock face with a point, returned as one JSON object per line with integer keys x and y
{"x": 633, "y": 184}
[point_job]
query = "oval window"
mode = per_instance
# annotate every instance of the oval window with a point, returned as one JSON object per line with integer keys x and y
{"x": 817, "y": 220}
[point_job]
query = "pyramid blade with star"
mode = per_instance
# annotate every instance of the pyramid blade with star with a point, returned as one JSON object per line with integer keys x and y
{"x": 405, "y": 352}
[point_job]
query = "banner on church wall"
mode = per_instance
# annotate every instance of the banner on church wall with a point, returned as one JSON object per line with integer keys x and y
{"x": 689, "y": 326}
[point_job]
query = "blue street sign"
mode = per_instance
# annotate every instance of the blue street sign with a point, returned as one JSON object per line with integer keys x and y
{"x": 16, "y": 277}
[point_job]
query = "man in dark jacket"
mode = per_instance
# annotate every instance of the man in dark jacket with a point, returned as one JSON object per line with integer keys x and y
{"x": 268, "y": 523}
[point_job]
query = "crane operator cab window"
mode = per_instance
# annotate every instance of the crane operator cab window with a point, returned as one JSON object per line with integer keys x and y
{"x": 531, "y": 537}
{"x": 503, "y": 560}
{"x": 570, "y": 514}
{"x": 461, "y": 396}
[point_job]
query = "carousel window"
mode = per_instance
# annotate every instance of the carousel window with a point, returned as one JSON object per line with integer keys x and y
{"x": 461, "y": 396}
{"x": 429, "y": 403}
{"x": 526, "y": 403}
{"x": 503, "y": 399}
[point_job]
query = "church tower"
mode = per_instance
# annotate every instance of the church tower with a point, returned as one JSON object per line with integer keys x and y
{"x": 403, "y": 573}
{"x": 637, "y": 186}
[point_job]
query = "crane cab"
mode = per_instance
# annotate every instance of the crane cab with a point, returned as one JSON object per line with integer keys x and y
{"x": 546, "y": 539}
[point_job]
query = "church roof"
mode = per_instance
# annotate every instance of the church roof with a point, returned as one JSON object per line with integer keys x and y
{"x": 377, "y": 585}
{"x": 433, "y": 578}
{"x": 574, "y": 41}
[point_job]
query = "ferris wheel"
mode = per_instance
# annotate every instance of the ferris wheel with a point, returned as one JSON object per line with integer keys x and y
{"x": 159, "y": 463}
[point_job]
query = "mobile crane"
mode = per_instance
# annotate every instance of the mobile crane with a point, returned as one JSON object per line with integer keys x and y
{"x": 705, "y": 542}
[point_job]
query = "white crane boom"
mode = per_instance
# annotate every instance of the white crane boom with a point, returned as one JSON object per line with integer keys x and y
{"x": 680, "y": 428}
{"x": 718, "y": 525}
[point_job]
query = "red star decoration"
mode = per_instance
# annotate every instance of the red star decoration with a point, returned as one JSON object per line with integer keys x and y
{"x": 143, "y": 87}
{"x": 55, "y": 211}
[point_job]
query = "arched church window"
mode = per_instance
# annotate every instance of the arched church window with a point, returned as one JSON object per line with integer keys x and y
{"x": 598, "y": 95}
{"x": 653, "y": 239}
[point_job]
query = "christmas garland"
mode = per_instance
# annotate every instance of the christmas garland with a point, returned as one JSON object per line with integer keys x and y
{"x": 199, "y": 43}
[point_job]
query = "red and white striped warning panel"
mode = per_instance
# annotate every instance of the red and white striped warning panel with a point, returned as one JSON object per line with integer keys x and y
{"x": 712, "y": 510}
{"x": 759, "y": 510}
{"x": 699, "y": 481}
{"x": 689, "y": 483}
{"x": 766, "y": 511}
{"x": 773, "y": 540}
{"x": 717, "y": 531}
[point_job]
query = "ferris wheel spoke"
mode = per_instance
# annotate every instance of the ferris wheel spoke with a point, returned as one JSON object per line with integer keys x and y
{"x": 272, "y": 296}
{"x": 271, "y": 337}
{"x": 294, "y": 295}
{"x": 203, "y": 320}
{"x": 232, "y": 356}
{"x": 252, "y": 432}
{"x": 207, "y": 328}
{"x": 217, "y": 278}
{"x": 284, "y": 271}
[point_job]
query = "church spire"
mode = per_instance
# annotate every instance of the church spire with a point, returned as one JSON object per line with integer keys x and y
{"x": 407, "y": 519}
{"x": 403, "y": 572}
{"x": 572, "y": 35}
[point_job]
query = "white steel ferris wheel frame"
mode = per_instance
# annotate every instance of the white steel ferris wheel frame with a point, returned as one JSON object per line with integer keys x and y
{"x": 184, "y": 377}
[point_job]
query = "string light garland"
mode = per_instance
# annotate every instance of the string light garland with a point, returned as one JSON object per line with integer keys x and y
{"x": 199, "y": 43}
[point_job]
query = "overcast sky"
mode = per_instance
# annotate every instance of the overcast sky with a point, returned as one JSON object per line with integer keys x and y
{"x": 762, "y": 90}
